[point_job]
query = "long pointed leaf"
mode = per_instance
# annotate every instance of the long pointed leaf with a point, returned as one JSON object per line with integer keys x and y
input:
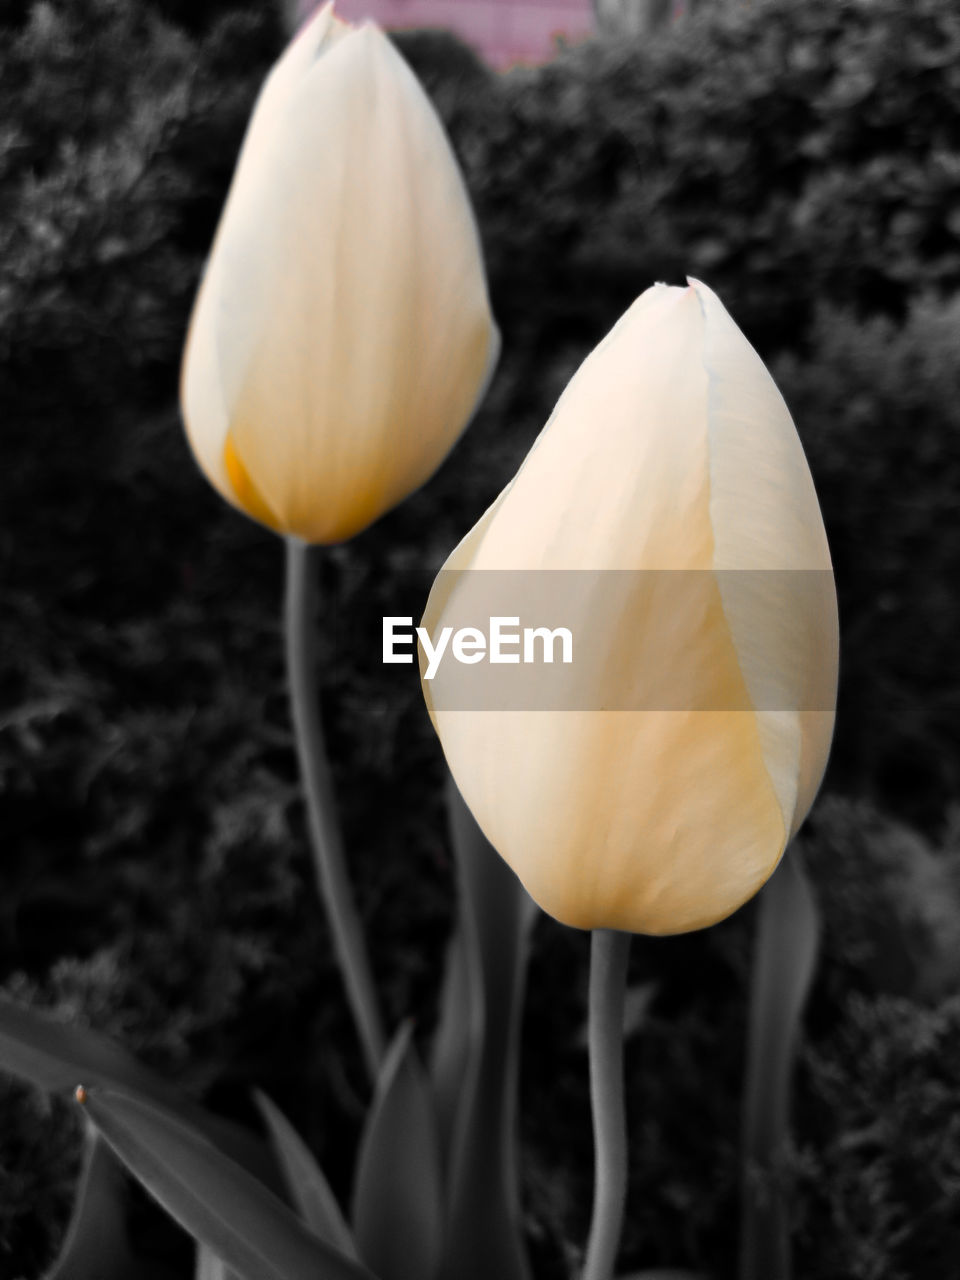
{"x": 53, "y": 1056}
{"x": 305, "y": 1181}
{"x": 452, "y": 1040}
{"x": 483, "y": 1225}
{"x": 209, "y": 1266}
{"x": 783, "y": 964}
{"x": 214, "y": 1199}
{"x": 398, "y": 1196}
{"x": 95, "y": 1246}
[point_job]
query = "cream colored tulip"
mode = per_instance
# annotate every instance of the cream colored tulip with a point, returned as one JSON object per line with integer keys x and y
{"x": 670, "y": 450}
{"x": 342, "y": 334}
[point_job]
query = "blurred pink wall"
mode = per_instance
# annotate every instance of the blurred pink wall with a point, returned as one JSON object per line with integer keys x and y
{"x": 502, "y": 31}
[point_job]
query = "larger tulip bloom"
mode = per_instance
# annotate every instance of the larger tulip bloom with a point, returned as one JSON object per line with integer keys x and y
{"x": 666, "y": 799}
{"x": 342, "y": 333}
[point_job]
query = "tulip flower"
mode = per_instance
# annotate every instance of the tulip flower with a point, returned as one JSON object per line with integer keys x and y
{"x": 340, "y": 339}
{"x": 342, "y": 333}
{"x": 662, "y": 796}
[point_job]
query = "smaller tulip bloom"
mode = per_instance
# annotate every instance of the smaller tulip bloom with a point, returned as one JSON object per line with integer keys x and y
{"x": 342, "y": 334}
{"x": 670, "y": 487}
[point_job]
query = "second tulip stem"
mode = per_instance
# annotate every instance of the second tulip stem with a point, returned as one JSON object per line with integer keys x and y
{"x": 609, "y": 952}
{"x": 317, "y": 780}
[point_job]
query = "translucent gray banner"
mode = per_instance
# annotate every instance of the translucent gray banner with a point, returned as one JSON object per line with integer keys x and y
{"x": 658, "y": 640}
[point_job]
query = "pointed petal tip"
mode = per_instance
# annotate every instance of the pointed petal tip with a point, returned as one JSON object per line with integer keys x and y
{"x": 705, "y": 295}
{"x": 322, "y": 28}
{"x": 700, "y": 291}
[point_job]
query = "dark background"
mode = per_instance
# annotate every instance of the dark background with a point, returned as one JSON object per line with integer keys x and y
{"x": 800, "y": 156}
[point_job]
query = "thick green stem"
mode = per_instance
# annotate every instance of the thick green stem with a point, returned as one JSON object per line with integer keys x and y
{"x": 784, "y": 960}
{"x": 609, "y": 952}
{"x": 325, "y": 837}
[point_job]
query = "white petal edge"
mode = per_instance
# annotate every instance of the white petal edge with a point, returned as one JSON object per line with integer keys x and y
{"x": 784, "y": 624}
{"x": 203, "y": 396}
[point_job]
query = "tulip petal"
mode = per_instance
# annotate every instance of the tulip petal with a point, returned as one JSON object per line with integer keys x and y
{"x": 654, "y": 820}
{"x": 205, "y": 415}
{"x": 342, "y": 334}
{"x": 704, "y": 711}
{"x": 206, "y": 409}
{"x": 602, "y": 514}
{"x": 352, "y": 322}
{"x": 770, "y": 549}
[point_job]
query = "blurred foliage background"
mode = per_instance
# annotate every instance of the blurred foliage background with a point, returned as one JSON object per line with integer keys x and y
{"x": 800, "y": 156}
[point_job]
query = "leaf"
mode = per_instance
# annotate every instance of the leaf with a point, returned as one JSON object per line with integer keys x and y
{"x": 219, "y": 1203}
{"x": 51, "y": 1055}
{"x": 398, "y": 1198}
{"x": 664, "y": 1275}
{"x": 783, "y": 965}
{"x": 305, "y": 1181}
{"x": 483, "y": 1218}
{"x": 95, "y": 1246}
{"x": 209, "y": 1266}
{"x": 451, "y": 1042}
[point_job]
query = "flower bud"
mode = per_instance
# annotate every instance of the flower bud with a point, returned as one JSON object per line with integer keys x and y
{"x": 342, "y": 334}
{"x": 661, "y": 795}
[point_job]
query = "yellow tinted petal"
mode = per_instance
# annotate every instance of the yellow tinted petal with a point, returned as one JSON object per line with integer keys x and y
{"x": 205, "y": 400}
{"x": 355, "y": 331}
{"x": 653, "y": 822}
{"x": 246, "y": 492}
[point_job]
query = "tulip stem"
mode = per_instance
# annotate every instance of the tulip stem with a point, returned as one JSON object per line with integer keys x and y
{"x": 326, "y": 839}
{"x": 609, "y": 952}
